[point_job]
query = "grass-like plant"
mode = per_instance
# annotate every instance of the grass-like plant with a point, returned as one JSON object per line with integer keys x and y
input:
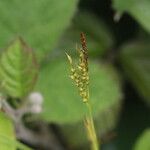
{"x": 80, "y": 76}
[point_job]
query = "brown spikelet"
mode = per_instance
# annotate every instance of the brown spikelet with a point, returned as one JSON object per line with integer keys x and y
{"x": 83, "y": 41}
{"x": 84, "y": 49}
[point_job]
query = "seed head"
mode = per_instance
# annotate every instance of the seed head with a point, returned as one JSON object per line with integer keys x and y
{"x": 79, "y": 71}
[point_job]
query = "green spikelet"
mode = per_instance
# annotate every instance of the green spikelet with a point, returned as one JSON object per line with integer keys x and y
{"x": 79, "y": 72}
{"x": 80, "y": 75}
{"x": 18, "y": 69}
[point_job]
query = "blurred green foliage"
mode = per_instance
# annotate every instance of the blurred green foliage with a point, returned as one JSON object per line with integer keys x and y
{"x": 39, "y": 22}
{"x": 136, "y": 8}
{"x": 143, "y": 141}
{"x": 135, "y": 59}
{"x": 7, "y": 135}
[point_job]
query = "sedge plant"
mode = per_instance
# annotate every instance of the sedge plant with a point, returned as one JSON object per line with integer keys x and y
{"x": 80, "y": 76}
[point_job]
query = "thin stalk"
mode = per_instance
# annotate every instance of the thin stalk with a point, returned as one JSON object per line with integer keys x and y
{"x": 90, "y": 125}
{"x": 94, "y": 140}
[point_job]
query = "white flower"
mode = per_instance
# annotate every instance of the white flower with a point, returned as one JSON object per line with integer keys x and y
{"x": 35, "y": 102}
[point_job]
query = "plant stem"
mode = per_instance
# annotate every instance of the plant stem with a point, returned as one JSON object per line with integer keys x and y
{"x": 91, "y": 128}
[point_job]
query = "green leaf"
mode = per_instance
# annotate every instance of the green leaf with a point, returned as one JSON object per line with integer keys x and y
{"x": 18, "y": 69}
{"x": 6, "y": 127}
{"x": 7, "y": 135}
{"x": 139, "y": 9}
{"x": 99, "y": 38}
{"x": 6, "y": 131}
{"x": 39, "y": 22}
{"x": 135, "y": 59}
{"x": 8, "y": 144}
{"x": 143, "y": 142}
{"x": 62, "y": 103}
